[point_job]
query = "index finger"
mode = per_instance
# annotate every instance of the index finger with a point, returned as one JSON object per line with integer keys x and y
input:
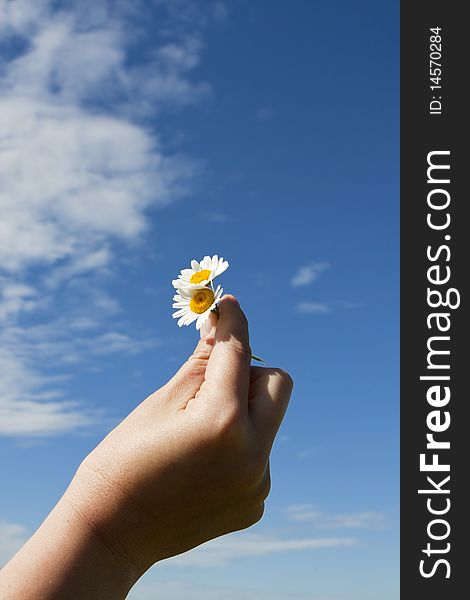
{"x": 228, "y": 369}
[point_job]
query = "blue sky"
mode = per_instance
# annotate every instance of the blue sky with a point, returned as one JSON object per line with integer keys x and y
{"x": 138, "y": 135}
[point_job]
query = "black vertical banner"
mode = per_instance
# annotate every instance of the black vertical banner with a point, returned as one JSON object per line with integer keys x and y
{"x": 435, "y": 336}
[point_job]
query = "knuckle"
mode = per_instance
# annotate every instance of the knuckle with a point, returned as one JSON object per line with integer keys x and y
{"x": 240, "y": 349}
{"x": 252, "y": 476}
{"x": 255, "y": 514}
{"x": 265, "y": 487}
{"x": 227, "y": 427}
{"x": 249, "y": 516}
{"x": 260, "y": 490}
{"x": 203, "y": 350}
{"x": 196, "y": 366}
{"x": 259, "y": 513}
{"x": 285, "y": 378}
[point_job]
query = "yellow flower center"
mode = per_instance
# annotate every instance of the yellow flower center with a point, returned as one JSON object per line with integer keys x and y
{"x": 200, "y": 276}
{"x": 201, "y": 301}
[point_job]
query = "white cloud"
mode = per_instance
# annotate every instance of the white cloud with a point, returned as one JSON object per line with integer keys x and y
{"x": 35, "y": 360}
{"x": 74, "y": 177}
{"x": 114, "y": 341}
{"x": 164, "y": 80}
{"x": 305, "y": 308}
{"x": 149, "y": 588}
{"x": 215, "y": 216}
{"x": 16, "y": 298}
{"x": 12, "y": 537}
{"x": 31, "y": 403}
{"x": 223, "y": 551}
{"x": 308, "y": 273}
{"x": 72, "y": 182}
{"x": 307, "y": 453}
{"x": 19, "y": 15}
{"x": 308, "y": 513}
{"x": 79, "y": 172}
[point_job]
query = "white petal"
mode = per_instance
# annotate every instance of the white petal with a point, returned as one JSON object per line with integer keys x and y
{"x": 182, "y": 309}
{"x": 187, "y": 287}
{"x": 206, "y": 263}
{"x": 190, "y": 318}
{"x": 182, "y": 285}
{"x": 195, "y": 266}
{"x": 201, "y": 319}
{"x": 184, "y": 293}
{"x": 222, "y": 266}
{"x": 182, "y": 320}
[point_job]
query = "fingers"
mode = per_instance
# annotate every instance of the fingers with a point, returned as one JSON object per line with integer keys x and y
{"x": 270, "y": 391}
{"x": 228, "y": 370}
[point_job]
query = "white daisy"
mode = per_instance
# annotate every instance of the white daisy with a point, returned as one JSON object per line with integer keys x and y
{"x": 200, "y": 274}
{"x": 195, "y": 304}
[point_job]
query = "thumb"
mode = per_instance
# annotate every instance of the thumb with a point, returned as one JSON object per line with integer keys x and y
{"x": 187, "y": 381}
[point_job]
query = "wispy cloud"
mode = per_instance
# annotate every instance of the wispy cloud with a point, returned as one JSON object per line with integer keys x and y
{"x": 264, "y": 113}
{"x": 307, "y": 308}
{"x": 215, "y": 217}
{"x": 16, "y": 298}
{"x": 308, "y": 274}
{"x": 307, "y": 453}
{"x": 236, "y": 546}
{"x": 80, "y": 168}
{"x": 151, "y": 587}
{"x": 76, "y": 178}
{"x": 307, "y": 513}
{"x": 12, "y": 537}
{"x": 350, "y": 305}
{"x": 36, "y": 358}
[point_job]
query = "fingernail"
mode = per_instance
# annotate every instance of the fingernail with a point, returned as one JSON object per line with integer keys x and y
{"x": 208, "y": 327}
{"x": 231, "y": 298}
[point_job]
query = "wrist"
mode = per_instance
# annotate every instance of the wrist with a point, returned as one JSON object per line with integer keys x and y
{"x": 100, "y": 510}
{"x": 67, "y": 558}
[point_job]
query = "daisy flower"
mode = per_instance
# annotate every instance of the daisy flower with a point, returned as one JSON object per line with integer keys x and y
{"x": 195, "y": 304}
{"x": 201, "y": 274}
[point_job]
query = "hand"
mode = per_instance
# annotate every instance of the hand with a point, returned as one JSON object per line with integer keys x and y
{"x": 187, "y": 465}
{"x": 192, "y": 461}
